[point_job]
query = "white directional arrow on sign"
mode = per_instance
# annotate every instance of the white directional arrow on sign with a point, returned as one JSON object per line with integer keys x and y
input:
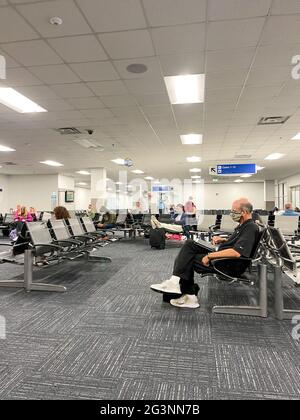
{"x": 213, "y": 170}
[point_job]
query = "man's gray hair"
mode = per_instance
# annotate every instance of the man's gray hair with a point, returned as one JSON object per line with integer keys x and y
{"x": 247, "y": 206}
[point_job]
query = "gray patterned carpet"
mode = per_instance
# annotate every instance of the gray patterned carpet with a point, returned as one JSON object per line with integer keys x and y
{"x": 110, "y": 337}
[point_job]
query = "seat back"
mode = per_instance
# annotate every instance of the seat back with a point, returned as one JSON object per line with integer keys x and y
{"x": 76, "y": 227}
{"x": 89, "y": 225}
{"x": 227, "y": 224}
{"x": 146, "y": 219}
{"x": 287, "y": 224}
{"x": 260, "y": 239}
{"x": 265, "y": 220}
{"x": 206, "y": 221}
{"x": 9, "y": 218}
{"x": 60, "y": 230}
{"x": 283, "y": 250}
{"x": 121, "y": 219}
{"x": 46, "y": 216}
{"x": 39, "y": 233}
{"x": 165, "y": 218}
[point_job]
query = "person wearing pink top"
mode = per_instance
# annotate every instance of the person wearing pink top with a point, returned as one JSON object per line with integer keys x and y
{"x": 24, "y": 216}
{"x": 17, "y": 212}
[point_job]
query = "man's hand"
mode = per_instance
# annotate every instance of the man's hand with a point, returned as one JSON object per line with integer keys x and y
{"x": 216, "y": 240}
{"x": 205, "y": 261}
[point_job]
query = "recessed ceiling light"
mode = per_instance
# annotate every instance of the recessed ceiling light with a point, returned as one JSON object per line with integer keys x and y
{"x": 187, "y": 89}
{"x": 197, "y": 182}
{"x": 83, "y": 173}
{"x": 196, "y": 177}
{"x": 14, "y": 100}
{"x": 52, "y": 163}
{"x": 138, "y": 172}
{"x": 119, "y": 161}
{"x": 137, "y": 68}
{"x": 194, "y": 159}
{"x": 149, "y": 178}
{"x": 119, "y": 183}
{"x": 246, "y": 176}
{"x": 297, "y": 137}
{"x": 83, "y": 184}
{"x": 191, "y": 139}
{"x": 260, "y": 168}
{"x": 109, "y": 189}
{"x": 275, "y": 156}
{"x": 195, "y": 170}
{"x": 238, "y": 181}
{"x": 6, "y": 149}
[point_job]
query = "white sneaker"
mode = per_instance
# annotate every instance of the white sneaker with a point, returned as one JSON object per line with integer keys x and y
{"x": 186, "y": 301}
{"x": 169, "y": 286}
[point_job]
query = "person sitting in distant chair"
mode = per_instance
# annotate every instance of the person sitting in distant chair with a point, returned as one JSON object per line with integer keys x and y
{"x": 108, "y": 221}
{"x": 289, "y": 210}
{"x": 32, "y": 211}
{"x": 180, "y": 222}
{"x": 24, "y": 216}
{"x": 61, "y": 213}
{"x": 17, "y": 212}
{"x": 91, "y": 212}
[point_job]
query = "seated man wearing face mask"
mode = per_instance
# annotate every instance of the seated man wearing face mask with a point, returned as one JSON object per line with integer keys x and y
{"x": 240, "y": 244}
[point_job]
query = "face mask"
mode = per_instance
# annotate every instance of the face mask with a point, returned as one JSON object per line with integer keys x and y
{"x": 236, "y": 217}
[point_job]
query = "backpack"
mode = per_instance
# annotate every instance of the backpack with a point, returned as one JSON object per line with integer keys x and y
{"x": 158, "y": 238}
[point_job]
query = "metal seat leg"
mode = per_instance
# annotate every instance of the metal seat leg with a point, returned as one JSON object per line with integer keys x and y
{"x": 280, "y": 312}
{"x": 257, "y": 311}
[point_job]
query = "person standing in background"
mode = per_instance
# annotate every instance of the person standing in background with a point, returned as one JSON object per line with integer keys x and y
{"x": 190, "y": 210}
{"x": 161, "y": 205}
{"x": 190, "y": 207}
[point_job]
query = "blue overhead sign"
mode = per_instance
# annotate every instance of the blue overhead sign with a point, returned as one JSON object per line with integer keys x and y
{"x": 161, "y": 189}
{"x": 238, "y": 169}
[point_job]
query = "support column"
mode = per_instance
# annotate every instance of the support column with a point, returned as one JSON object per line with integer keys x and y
{"x": 98, "y": 188}
{"x": 269, "y": 195}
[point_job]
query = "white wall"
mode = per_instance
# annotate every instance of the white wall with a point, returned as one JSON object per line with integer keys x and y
{"x": 82, "y": 198}
{"x": 65, "y": 183}
{"x": 221, "y": 196}
{"x": 31, "y": 190}
{"x": 4, "y": 194}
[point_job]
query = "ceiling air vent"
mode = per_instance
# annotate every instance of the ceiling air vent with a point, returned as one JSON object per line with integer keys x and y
{"x": 247, "y": 157}
{"x": 67, "y": 131}
{"x": 9, "y": 164}
{"x": 90, "y": 144}
{"x": 273, "y": 120}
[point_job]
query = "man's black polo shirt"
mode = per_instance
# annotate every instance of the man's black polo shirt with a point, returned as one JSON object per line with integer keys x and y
{"x": 243, "y": 240}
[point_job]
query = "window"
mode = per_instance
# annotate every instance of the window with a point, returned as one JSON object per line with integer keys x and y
{"x": 281, "y": 195}
{"x": 295, "y": 192}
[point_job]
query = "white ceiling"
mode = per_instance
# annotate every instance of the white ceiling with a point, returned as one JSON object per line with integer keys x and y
{"x": 77, "y": 71}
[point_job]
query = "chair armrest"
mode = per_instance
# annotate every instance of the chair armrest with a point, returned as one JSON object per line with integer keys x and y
{"x": 55, "y": 247}
{"x": 68, "y": 242}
